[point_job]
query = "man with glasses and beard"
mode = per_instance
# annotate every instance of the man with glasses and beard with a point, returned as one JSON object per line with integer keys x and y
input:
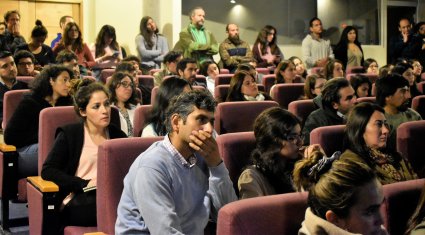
{"x": 233, "y": 50}
{"x": 393, "y": 94}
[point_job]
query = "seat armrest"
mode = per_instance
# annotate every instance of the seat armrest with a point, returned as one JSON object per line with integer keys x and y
{"x": 8, "y": 172}
{"x": 43, "y": 186}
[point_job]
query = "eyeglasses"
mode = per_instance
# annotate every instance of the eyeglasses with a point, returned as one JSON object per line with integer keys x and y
{"x": 25, "y": 63}
{"x": 295, "y": 138}
{"x": 125, "y": 84}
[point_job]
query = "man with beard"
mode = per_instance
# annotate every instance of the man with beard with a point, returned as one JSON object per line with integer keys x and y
{"x": 233, "y": 50}
{"x": 151, "y": 46}
{"x": 393, "y": 95}
{"x": 186, "y": 69}
{"x": 195, "y": 41}
{"x": 12, "y": 37}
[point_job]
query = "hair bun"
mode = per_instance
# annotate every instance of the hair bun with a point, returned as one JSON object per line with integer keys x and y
{"x": 38, "y": 23}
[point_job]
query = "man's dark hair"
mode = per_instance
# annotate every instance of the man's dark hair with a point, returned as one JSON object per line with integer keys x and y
{"x": 313, "y": 19}
{"x": 4, "y": 54}
{"x": 388, "y": 85}
{"x": 23, "y": 54}
{"x": 8, "y": 13}
{"x": 184, "y": 104}
{"x": 182, "y": 64}
{"x": 125, "y": 67}
{"x": 171, "y": 56}
{"x": 331, "y": 94}
{"x": 63, "y": 20}
{"x": 131, "y": 58}
{"x": 66, "y": 56}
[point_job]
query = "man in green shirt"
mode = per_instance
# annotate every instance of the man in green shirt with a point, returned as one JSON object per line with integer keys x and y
{"x": 195, "y": 41}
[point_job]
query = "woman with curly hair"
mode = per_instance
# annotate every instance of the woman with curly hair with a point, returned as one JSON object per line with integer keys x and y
{"x": 50, "y": 88}
{"x": 278, "y": 142}
{"x": 265, "y": 49}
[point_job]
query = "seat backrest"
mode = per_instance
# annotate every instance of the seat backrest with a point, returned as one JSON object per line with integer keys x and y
{"x": 236, "y": 157}
{"x": 26, "y": 79}
{"x": 11, "y": 100}
{"x": 410, "y": 144}
{"x": 302, "y": 108}
{"x": 105, "y": 73}
{"x": 146, "y": 80}
{"x": 223, "y": 79}
{"x": 264, "y": 71}
{"x": 329, "y": 137}
{"x": 423, "y": 76}
{"x": 354, "y": 69}
{"x": 114, "y": 160}
{"x": 400, "y": 202}
{"x": 372, "y": 77}
{"x": 420, "y": 85}
{"x": 50, "y": 119}
{"x": 89, "y": 77}
{"x": 153, "y": 94}
{"x": 239, "y": 116}
{"x": 268, "y": 81}
{"x": 285, "y": 93}
{"x": 141, "y": 114}
{"x": 224, "y": 71}
{"x": 201, "y": 78}
{"x": 418, "y": 104}
{"x": 370, "y": 99}
{"x": 276, "y": 214}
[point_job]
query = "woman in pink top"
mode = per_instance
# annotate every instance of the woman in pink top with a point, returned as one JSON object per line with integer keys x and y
{"x": 73, "y": 41}
{"x": 72, "y": 162}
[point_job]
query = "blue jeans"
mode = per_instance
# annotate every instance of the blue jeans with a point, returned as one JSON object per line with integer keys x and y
{"x": 28, "y": 160}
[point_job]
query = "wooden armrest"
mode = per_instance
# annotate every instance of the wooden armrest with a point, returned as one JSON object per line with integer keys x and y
{"x": 7, "y": 148}
{"x": 43, "y": 185}
{"x": 95, "y": 233}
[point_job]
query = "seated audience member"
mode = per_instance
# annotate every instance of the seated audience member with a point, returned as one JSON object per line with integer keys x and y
{"x": 337, "y": 100}
{"x": 49, "y": 89}
{"x": 361, "y": 85}
{"x": 313, "y": 86}
{"x": 106, "y": 50}
{"x": 406, "y": 70}
{"x": 333, "y": 69}
{"x": 385, "y": 70}
{"x": 233, "y": 50}
{"x": 186, "y": 68}
{"x": 170, "y": 88}
{"x": 265, "y": 50}
{"x": 129, "y": 68}
{"x": 12, "y": 37}
{"x": 285, "y": 72}
{"x": 72, "y": 41}
{"x": 416, "y": 223}
{"x": 244, "y": 88}
{"x": 250, "y": 68}
{"x": 70, "y": 60}
{"x": 43, "y": 54}
{"x": 392, "y": 94}
{"x": 170, "y": 66}
{"x": 124, "y": 97}
{"x": 25, "y": 63}
{"x": 278, "y": 140}
{"x": 151, "y": 46}
{"x": 62, "y": 23}
{"x": 210, "y": 70}
{"x": 178, "y": 184}
{"x": 71, "y": 164}
{"x": 365, "y": 140}
{"x": 3, "y": 27}
{"x": 135, "y": 61}
{"x": 371, "y": 66}
{"x": 8, "y": 73}
{"x": 349, "y": 50}
{"x": 417, "y": 69}
{"x": 300, "y": 69}
{"x": 344, "y": 197}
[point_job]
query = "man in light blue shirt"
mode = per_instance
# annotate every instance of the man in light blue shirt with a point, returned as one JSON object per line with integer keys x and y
{"x": 178, "y": 184}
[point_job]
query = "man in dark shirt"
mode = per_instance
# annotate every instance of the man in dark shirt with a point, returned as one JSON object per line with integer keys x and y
{"x": 404, "y": 45}
{"x": 8, "y": 72}
{"x": 12, "y": 37}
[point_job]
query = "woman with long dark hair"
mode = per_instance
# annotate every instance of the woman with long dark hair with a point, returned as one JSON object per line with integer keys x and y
{"x": 349, "y": 50}
{"x": 265, "y": 50}
{"x": 243, "y": 87}
{"x": 107, "y": 51}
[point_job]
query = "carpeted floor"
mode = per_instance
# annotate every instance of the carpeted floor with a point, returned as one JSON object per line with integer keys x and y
{"x": 17, "y": 210}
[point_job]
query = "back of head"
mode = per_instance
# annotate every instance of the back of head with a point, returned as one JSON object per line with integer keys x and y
{"x": 388, "y": 85}
{"x": 185, "y": 103}
{"x": 334, "y": 184}
{"x": 39, "y": 30}
{"x": 130, "y": 58}
{"x": 400, "y": 68}
{"x": 125, "y": 67}
{"x": 66, "y": 56}
{"x": 172, "y": 56}
{"x": 330, "y": 92}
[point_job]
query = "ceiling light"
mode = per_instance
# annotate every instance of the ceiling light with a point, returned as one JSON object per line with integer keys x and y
{"x": 232, "y": 1}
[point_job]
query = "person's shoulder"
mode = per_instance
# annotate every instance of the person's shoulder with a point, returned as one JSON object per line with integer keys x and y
{"x": 20, "y": 85}
{"x": 413, "y": 115}
{"x": 307, "y": 38}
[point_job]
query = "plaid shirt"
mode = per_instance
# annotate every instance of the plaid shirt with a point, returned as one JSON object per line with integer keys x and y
{"x": 189, "y": 163}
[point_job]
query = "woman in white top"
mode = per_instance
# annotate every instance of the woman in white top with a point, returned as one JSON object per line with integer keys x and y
{"x": 124, "y": 97}
{"x": 210, "y": 70}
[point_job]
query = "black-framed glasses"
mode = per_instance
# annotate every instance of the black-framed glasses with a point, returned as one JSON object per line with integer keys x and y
{"x": 125, "y": 84}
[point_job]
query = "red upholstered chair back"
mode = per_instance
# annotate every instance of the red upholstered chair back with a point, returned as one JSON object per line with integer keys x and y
{"x": 277, "y": 214}
{"x": 224, "y": 71}
{"x": 410, "y": 144}
{"x": 152, "y": 71}
{"x": 114, "y": 160}
{"x": 420, "y": 85}
{"x": 90, "y": 77}
{"x": 239, "y": 116}
{"x": 141, "y": 115}
{"x": 105, "y": 73}
{"x": 371, "y": 99}
{"x": 285, "y": 93}
{"x": 373, "y": 89}
{"x": 201, "y": 78}
{"x": 302, "y": 108}
{"x": 329, "y": 137}
{"x": 354, "y": 69}
{"x": 418, "y": 104}
{"x": 401, "y": 201}
{"x": 264, "y": 71}
{"x": 372, "y": 77}
{"x": 153, "y": 94}
{"x": 235, "y": 150}
{"x": 423, "y": 76}
{"x": 223, "y": 79}
{"x": 50, "y": 119}
{"x": 146, "y": 80}
{"x": 26, "y": 79}
{"x": 268, "y": 81}
{"x": 11, "y": 100}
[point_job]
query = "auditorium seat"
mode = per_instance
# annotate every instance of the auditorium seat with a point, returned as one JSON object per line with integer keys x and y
{"x": 223, "y": 79}
{"x": 105, "y": 73}
{"x": 285, "y": 93}
{"x": 224, "y": 71}
{"x": 330, "y": 138}
{"x": 11, "y": 100}
{"x": 26, "y": 79}
{"x": 268, "y": 81}
{"x": 410, "y": 144}
{"x": 372, "y": 77}
{"x": 418, "y": 104}
{"x": 420, "y": 86}
{"x": 264, "y": 71}
{"x": 141, "y": 114}
{"x": 371, "y": 99}
{"x": 354, "y": 69}
{"x": 301, "y": 109}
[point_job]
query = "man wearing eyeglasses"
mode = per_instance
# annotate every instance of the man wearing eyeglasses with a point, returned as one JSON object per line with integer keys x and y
{"x": 25, "y": 63}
